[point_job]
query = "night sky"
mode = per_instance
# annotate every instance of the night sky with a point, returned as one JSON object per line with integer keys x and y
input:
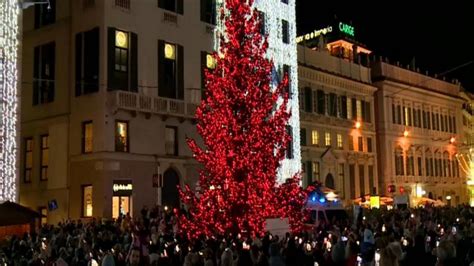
{"x": 439, "y": 37}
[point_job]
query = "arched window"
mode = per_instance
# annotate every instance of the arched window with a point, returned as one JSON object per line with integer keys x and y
{"x": 330, "y": 181}
{"x": 170, "y": 194}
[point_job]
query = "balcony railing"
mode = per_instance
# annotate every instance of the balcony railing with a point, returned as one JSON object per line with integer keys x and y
{"x": 156, "y": 105}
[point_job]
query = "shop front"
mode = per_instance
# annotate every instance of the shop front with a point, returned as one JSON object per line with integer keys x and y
{"x": 122, "y": 201}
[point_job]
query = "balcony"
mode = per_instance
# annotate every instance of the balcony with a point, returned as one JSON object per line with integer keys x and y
{"x": 131, "y": 101}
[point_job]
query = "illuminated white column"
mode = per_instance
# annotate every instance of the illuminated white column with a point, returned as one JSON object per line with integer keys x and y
{"x": 282, "y": 54}
{"x": 9, "y": 33}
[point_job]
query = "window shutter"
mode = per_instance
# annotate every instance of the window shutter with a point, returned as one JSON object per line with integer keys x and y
{"x": 308, "y": 99}
{"x": 364, "y": 115}
{"x": 303, "y": 136}
{"x": 90, "y": 78}
{"x": 309, "y": 172}
{"x": 180, "y": 71}
{"x": 37, "y": 16}
{"x": 367, "y": 112}
{"x": 52, "y": 71}
{"x": 354, "y": 109}
{"x": 203, "y": 10}
{"x": 203, "y": 68}
{"x": 161, "y": 3}
{"x": 36, "y": 75}
{"x": 344, "y": 107}
{"x": 180, "y": 7}
{"x": 134, "y": 63}
{"x": 161, "y": 68}
{"x": 289, "y": 146}
{"x": 78, "y": 64}
{"x": 111, "y": 59}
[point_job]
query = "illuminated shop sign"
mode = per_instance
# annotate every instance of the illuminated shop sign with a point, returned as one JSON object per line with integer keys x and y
{"x": 313, "y": 34}
{"x": 122, "y": 188}
{"x": 347, "y": 29}
{"x": 343, "y": 27}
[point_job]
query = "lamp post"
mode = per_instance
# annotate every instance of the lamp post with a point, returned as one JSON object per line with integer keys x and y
{"x": 448, "y": 198}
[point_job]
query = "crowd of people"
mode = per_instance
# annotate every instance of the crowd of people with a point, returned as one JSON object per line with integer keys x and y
{"x": 422, "y": 236}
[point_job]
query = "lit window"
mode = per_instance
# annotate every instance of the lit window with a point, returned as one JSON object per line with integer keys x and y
{"x": 327, "y": 138}
{"x": 359, "y": 109}
{"x": 349, "y": 109}
{"x": 28, "y": 163}
{"x": 315, "y": 137}
{"x": 87, "y": 201}
{"x": 44, "y": 212}
{"x": 407, "y": 117}
{"x": 210, "y": 61}
{"x": 339, "y": 141}
{"x": 170, "y": 51}
{"x": 121, "y": 51}
{"x": 44, "y": 157}
{"x": 87, "y": 137}
{"x": 121, "y": 136}
{"x": 316, "y": 176}
{"x": 121, "y": 39}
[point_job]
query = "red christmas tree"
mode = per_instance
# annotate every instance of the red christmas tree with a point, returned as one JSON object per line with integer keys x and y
{"x": 243, "y": 125}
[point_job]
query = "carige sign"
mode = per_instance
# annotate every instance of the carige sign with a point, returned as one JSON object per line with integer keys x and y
{"x": 347, "y": 29}
{"x": 344, "y": 28}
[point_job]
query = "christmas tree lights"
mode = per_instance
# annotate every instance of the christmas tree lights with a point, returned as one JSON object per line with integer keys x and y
{"x": 242, "y": 122}
{"x": 9, "y": 12}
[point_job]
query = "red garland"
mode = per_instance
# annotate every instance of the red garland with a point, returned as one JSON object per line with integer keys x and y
{"x": 245, "y": 137}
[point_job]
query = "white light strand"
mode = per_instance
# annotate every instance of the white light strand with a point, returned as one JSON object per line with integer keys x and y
{"x": 281, "y": 53}
{"x": 9, "y": 13}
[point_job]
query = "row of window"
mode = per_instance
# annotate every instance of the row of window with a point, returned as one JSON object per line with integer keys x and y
{"x": 122, "y": 144}
{"x": 122, "y": 66}
{"x": 28, "y": 158}
{"x": 45, "y": 14}
{"x": 315, "y": 140}
{"x": 122, "y": 138}
{"x": 434, "y": 167}
{"x": 332, "y": 104}
{"x": 407, "y": 116}
{"x": 313, "y": 171}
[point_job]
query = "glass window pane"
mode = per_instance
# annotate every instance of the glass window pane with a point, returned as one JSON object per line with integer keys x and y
{"x": 87, "y": 204}
{"x": 115, "y": 207}
{"x": 45, "y": 158}
{"x": 29, "y": 160}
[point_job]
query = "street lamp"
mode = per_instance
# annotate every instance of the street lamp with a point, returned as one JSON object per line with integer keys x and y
{"x": 448, "y": 198}
{"x": 358, "y": 125}
{"x": 405, "y": 133}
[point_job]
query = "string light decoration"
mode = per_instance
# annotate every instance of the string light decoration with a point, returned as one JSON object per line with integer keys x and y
{"x": 466, "y": 164}
{"x": 9, "y": 13}
{"x": 281, "y": 53}
{"x": 242, "y": 122}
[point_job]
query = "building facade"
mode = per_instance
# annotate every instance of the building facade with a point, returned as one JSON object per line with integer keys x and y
{"x": 338, "y": 141}
{"x": 107, "y": 103}
{"x": 419, "y": 132}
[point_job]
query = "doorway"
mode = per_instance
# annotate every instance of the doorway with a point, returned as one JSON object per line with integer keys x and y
{"x": 121, "y": 205}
